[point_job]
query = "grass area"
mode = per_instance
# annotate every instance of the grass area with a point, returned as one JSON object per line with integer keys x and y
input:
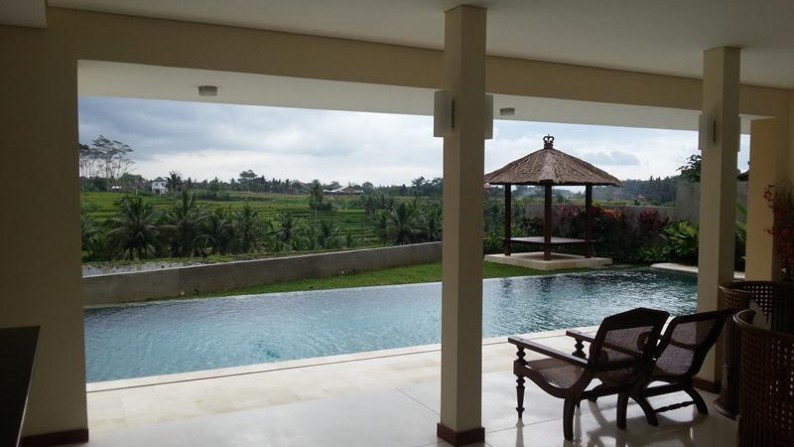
{"x": 398, "y": 275}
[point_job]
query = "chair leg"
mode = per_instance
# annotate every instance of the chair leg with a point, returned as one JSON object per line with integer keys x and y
{"x": 699, "y": 403}
{"x": 594, "y": 398}
{"x": 569, "y": 407}
{"x": 650, "y": 413}
{"x": 520, "y": 395}
{"x": 623, "y": 403}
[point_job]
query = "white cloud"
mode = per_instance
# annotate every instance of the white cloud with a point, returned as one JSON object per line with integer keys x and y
{"x": 209, "y": 140}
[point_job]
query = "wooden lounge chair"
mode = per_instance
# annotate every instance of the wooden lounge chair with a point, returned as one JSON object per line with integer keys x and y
{"x": 680, "y": 354}
{"x": 677, "y": 359}
{"x": 621, "y": 357}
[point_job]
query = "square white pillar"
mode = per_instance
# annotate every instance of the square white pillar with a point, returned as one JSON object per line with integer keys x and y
{"x": 768, "y": 163}
{"x": 718, "y": 184}
{"x": 461, "y": 310}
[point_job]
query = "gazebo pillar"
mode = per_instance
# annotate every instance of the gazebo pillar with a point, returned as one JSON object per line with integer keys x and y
{"x": 508, "y": 219}
{"x": 588, "y": 215}
{"x": 547, "y": 223}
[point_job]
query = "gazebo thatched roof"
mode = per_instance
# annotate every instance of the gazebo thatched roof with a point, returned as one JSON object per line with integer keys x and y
{"x": 550, "y": 166}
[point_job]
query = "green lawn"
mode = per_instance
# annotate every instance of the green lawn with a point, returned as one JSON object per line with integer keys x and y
{"x": 399, "y": 275}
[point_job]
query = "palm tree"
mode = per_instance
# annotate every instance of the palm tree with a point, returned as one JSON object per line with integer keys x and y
{"x": 248, "y": 229}
{"x": 183, "y": 223}
{"x": 286, "y": 232}
{"x": 327, "y": 235}
{"x": 381, "y": 222}
{"x": 133, "y": 232}
{"x": 316, "y": 195}
{"x": 219, "y": 231}
{"x": 402, "y": 223}
{"x": 174, "y": 181}
{"x": 431, "y": 223}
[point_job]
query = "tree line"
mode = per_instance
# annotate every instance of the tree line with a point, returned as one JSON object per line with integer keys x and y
{"x": 188, "y": 229}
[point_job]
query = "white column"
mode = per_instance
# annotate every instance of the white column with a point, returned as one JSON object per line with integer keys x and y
{"x": 718, "y": 183}
{"x": 461, "y": 320}
{"x": 768, "y": 166}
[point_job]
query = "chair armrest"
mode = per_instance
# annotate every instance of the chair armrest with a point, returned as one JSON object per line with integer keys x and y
{"x": 547, "y": 351}
{"x": 579, "y": 335}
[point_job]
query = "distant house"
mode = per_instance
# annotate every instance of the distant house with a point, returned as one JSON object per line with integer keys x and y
{"x": 159, "y": 186}
{"x": 345, "y": 190}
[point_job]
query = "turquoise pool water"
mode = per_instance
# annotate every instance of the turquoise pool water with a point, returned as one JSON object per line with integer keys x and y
{"x": 179, "y": 336}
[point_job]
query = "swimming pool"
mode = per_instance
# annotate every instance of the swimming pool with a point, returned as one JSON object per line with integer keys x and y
{"x": 189, "y": 335}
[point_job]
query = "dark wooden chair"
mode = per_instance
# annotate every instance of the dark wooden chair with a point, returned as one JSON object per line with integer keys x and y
{"x": 620, "y": 356}
{"x": 679, "y": 356}
{"x": 766, "y": 402}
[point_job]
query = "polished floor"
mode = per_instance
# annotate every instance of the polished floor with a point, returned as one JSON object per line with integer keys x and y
{"x": 385, "y": 399}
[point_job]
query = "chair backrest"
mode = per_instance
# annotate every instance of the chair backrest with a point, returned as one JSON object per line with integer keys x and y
{"x": 775, "y": 298}
{"x": 627, "y": 335}
{"x": 766, "y": 390}
{"x": 687, "y": 340}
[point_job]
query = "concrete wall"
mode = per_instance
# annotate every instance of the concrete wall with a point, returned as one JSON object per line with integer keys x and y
{"x": 40, "y": 224}
{"x": 164, "y": 283}
{"x": 687, "y": 201}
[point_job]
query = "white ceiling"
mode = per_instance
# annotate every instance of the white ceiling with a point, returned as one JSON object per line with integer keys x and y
{"x": 98, "y": 78}
{"x": 664, "y": 36}
{"x": 30, "y": 13}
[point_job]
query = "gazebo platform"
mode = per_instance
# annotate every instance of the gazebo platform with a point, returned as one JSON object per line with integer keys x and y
{"x": 559, "y": 261}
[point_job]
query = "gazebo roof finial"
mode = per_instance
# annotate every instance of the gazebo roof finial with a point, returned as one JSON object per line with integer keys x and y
{"x": 548, "y": 142}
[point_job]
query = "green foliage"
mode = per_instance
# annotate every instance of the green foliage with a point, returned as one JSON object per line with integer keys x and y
{"x": 182, "y": 227}
{"x": 219, "y": 231}
{"x": 248, "y": 230}
{"x": 691, "y": 170}
{"x": 681, "y": 242}
{"x": 134, "y": 233}
{"x": 316, "y": 197}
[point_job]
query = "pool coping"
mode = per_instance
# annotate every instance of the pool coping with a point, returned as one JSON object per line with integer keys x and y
{"x": 207, "y": 374}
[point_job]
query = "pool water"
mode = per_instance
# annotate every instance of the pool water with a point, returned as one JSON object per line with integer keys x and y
{"x": 189, "y": 335}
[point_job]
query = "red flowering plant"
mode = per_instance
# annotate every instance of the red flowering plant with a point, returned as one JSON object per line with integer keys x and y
{"x": 781, "y": 201}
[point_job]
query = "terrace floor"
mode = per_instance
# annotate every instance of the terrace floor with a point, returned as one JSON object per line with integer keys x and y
{"x": 388, "y": 398}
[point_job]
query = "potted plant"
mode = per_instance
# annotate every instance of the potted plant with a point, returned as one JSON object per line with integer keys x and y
{"x": 781, "y": 200}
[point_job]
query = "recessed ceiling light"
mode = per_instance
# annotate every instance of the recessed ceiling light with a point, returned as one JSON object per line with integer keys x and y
{"x": 507, "y": 111}
{"x": 208, "y": 90}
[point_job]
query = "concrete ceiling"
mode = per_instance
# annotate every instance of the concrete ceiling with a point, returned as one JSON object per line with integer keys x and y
{"x": 140, "y": 81}
{"x": 98, "y": 78}
{"x": 665, "y": 37}
{"x": 32, "y": 13}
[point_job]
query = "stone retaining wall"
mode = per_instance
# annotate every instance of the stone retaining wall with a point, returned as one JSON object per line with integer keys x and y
{"x": 187, "y": 281}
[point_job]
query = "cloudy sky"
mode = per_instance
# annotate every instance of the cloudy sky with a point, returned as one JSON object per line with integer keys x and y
{"x": 203, "y": 141}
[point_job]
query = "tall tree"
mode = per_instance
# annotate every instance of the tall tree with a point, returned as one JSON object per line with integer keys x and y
{"x": 183, "y": 225}
{"x": 113, "y": 156}
{"x": 248, "y": 229}
{"x": 174, "y": 181}
{"x": 402, "y": 223}
{"x": 286, "y": 231}
{"x": 219, "y": 230}
{"x": 134, "y": 231}
{"x": 247, "y": 179}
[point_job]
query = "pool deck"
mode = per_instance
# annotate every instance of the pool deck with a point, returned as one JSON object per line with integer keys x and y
{"x": 688, "y": 269}
{"x": 377, "y": 398}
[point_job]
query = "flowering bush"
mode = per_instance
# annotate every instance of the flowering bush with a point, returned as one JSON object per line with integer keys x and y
{"x": 781, "y": 200}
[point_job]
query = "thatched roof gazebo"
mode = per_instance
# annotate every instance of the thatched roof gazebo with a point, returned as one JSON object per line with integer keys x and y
{"x": 548, "y": 167}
